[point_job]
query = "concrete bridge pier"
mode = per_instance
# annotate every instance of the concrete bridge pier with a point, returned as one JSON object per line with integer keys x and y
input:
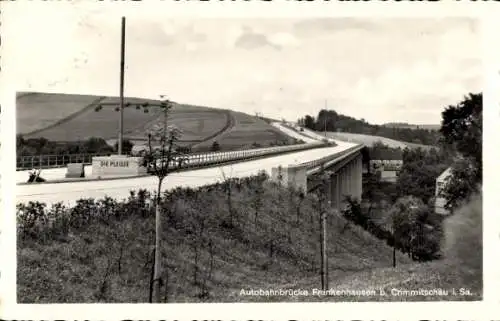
{"x": 350, "y": 177}
{"x": 344, "y": 179}
{"x": 358, "y": 170}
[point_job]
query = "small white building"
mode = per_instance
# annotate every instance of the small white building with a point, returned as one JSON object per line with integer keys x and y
{"x": 440, "y": 184}
{"x": 394, "y": 165}
{"x": 141, "y": 149}
{"x": 138, "y": 150}
{"x": 389, "y": 169}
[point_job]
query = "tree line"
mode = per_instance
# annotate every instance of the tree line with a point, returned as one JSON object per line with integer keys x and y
{"x": 462, "y": 137}
{"x": 332, "y": 121}
{"x": 43, "y": 146}
{"x": 458, "y": 145}
{"x": 403, "y": 213}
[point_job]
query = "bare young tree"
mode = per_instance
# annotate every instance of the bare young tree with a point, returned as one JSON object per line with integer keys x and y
{"x": 160, "y": 158}
{"x": 228, "y": 180}
{"x": 257, "y": 203}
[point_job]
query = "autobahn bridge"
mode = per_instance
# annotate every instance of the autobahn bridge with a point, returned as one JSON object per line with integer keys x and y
{"x": 339, "y": 174}
{"x": 339, "y": 167}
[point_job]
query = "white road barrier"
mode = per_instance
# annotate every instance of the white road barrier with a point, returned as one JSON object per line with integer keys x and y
{"x": 194, "y": 160}
{"x": 68, "y": 193}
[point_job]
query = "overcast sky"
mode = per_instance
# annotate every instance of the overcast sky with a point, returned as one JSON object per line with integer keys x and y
{"x": 383, "y": 70}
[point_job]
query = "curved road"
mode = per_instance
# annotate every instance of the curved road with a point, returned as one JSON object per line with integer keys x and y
{"x": 68, "y": 193}
{"x": 295, "y": 134}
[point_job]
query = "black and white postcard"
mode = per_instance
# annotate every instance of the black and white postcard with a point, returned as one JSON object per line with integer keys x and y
{"x": 165, "y": 158}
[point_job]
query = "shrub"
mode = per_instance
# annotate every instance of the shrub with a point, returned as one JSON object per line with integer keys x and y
{"x": 31, "y": 218}
{"x": 462, "y": 243}
{"x": 127, "y": 146}
{"x": 215, "y": 146}
{"x": 109, "y": 243}
{"x": 410, "y": 227}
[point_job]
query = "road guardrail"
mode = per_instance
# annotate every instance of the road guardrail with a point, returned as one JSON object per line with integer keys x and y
{"x": 53, "y": 161}
{"x": 206, "y": 159}
{"x": 324, "y": 160}
{"x": 194, "y": 160}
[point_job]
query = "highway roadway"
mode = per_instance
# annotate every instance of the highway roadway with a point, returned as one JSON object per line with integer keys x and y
{"x": 307, "y": 139}
{"x": 68, "y": 193}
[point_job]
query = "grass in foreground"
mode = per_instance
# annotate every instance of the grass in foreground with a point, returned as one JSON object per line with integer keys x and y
{"x": 217, "y": 241}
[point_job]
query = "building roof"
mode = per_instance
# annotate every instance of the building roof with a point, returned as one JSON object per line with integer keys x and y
{"x": 445, "y": 174}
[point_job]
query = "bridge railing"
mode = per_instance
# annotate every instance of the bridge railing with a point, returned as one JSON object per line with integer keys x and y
{"x": 206, "y": 159}
{"x": 53, "y": 161}
{"x": 324, "y": 160}
{"x": 194, "y": 160}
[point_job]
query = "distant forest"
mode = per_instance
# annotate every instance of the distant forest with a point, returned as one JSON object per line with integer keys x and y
{"x": 333, "y": 122}
{"x": 412, "y": 126}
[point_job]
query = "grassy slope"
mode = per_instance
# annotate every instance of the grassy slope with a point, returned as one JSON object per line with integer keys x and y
{"x": 412, "y": 126}
{"x": 463, "y": 243}
{"x": 72, "y": 117}
{"x": 369, "y": 140}
{"x": 36, "y": 111}
{"x": 248, "y": 130}
{"x": 461, "y": 266}
{"x": 196, "y": 122}
{"x": 73, "y": 269}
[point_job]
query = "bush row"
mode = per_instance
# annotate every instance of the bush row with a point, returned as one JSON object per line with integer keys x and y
{"x": 184, "y": 209}
{"x": 207, "y": 231}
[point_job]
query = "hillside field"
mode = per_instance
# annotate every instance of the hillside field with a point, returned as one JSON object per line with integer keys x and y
{"x": 66, "y": 118}
{"x": 369, "y": 140}
{"x": 249, "y": 132}
{"x": 37, "y": 111}
{"x": 413, "y": 126}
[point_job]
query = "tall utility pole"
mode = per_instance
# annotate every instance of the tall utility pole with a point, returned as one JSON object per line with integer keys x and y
{"x": 324, "y": 254}
{"x": 122, "y": 80}
{"x": 393, "y": 246}
{"x": 324, "y": 208}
